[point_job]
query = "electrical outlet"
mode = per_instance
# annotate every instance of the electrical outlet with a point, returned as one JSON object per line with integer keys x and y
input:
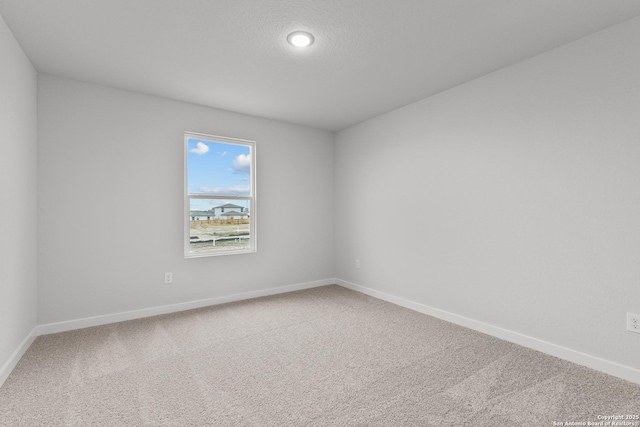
{"x": 633, "y": 323}
{"x": 357, "y": 263}
{"x": 168, "y": 277}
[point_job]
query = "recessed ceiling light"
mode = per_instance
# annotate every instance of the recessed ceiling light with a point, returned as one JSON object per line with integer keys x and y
{"x": 300, "y": 39}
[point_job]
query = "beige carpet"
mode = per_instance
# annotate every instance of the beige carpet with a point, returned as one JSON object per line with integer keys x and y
{"x": 321, "y": 357}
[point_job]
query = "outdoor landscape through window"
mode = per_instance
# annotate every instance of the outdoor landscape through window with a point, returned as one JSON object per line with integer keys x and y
{"x": 219, "y": 195}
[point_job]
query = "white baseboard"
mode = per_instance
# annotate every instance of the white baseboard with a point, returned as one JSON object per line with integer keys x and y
{"x": 6, "y": 369}
{"x": 593, "y": 362}
{"x": 52, "y": 328}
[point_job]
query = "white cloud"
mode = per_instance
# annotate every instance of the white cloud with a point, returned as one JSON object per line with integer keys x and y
{"x": 236, "y": 190}
{"x": 222, "y": 154}
{"x": 201, "y": 148}
{"x": 242, "y": 164}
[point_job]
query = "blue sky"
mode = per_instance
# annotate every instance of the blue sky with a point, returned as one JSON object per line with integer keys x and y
{"x": 217, "y": 168}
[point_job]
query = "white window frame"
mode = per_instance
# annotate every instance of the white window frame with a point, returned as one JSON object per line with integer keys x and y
{"x": 253, "y": 247}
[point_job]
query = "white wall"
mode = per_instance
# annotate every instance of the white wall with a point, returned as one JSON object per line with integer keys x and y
{"x": 111, "y": 205}
{"x": 18, "y": 89}
{"x": 517, "y": 197}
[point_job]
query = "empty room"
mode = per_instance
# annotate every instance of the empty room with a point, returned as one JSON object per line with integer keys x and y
{"x": 320, "y": 213}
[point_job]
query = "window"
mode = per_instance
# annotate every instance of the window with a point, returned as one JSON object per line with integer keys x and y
{"x": 219, "y": 177}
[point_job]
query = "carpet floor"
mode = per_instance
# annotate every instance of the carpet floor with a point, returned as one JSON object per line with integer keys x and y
{"x": 321, "y": 357}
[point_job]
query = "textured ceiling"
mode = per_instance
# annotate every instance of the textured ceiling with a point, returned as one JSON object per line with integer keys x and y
{"x": 370, "y": 56}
